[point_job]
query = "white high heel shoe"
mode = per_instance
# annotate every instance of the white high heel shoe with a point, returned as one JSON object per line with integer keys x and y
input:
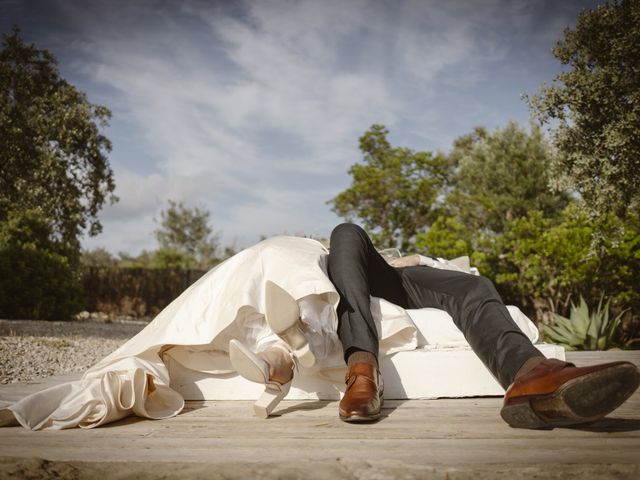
{"x": 283, "y": 317}
{"x": 255, "y": 369}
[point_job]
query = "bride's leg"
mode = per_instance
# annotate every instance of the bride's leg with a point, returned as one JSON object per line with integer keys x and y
{"x": 280, "y": 362}
{"x": 282, "y": 314}
{"x": 268, "y": 368}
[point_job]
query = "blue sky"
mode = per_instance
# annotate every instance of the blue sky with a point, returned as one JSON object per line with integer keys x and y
{"x": 253, "y": 109}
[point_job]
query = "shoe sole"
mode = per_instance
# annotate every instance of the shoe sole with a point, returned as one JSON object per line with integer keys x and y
{"x": 582, "y": 400}
{"x": 247, "y": 363}
{"x": 282, "y": 314}
{"x": 362, "y": 418}
{"x": 359, "y": 418}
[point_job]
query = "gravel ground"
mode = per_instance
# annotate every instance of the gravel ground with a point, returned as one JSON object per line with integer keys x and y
{"x": 32, "y": 348}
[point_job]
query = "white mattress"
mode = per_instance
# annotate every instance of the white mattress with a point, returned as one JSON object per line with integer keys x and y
{"x": 425, "y": 373}
{"x": 416, "y": 374}
{"x": 442, "y": 365}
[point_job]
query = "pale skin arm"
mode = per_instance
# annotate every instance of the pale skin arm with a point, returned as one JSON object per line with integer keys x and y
{"x": 408, "y": 261}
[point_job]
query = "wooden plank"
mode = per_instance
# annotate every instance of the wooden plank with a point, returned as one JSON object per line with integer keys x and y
{"x": 270, "y": 449}
{"x": 413, "y": 420}
{"x": 593, "y": 357}
{"x": 293, "y": 468}
{"x": 415, "y": 439}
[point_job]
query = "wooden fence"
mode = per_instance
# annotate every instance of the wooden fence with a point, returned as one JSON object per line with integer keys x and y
{"x": 138, "y": 292}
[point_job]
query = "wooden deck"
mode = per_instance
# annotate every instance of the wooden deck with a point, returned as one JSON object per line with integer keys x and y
{"x": 446, "y": 438}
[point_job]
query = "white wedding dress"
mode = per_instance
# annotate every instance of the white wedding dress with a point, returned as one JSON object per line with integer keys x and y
{"x": 195, "y": 329}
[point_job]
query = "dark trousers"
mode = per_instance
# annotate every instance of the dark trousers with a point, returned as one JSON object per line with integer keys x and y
{"x": 358, "y": 271}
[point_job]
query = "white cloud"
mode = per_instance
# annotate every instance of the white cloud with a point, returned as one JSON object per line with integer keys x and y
{"x": 129, "y": 224}
{"x": 240, "y": 105}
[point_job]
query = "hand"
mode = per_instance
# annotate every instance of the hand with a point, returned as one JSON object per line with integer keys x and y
{"x": 408, "y": 261}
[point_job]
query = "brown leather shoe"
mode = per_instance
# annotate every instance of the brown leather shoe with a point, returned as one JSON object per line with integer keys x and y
{"x": 556, "y": 393}
{"x": 363, "y": 396}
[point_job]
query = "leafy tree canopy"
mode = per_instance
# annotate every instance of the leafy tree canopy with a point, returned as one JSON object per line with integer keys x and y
{"x": 97, "y": 257}
{"x": 53, "y": 156}
{"x": 500, "y": 176}
{"x": 394, "y": 192}
{"x": 446, "y": 238}
{"x": 553, "y": 262}
{"x": 186, "y": 239}
{"x": 595, "y": 103}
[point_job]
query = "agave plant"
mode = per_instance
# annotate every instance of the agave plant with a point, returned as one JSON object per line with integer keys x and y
{"x": 584, "y": 330}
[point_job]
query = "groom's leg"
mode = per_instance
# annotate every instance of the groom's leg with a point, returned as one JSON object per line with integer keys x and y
{"x": 478, "y": 311}
{"x": 358, "y": 271}
{"x": 541, "y": 393}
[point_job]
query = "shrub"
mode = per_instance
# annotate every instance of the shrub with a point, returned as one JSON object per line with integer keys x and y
{"x": 584, "y": 330}
{"x": 38, "y": 278}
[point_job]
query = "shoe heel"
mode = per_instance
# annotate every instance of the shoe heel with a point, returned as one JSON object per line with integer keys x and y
{"x": 283, "y": 317}
{"x": 270, "y": 398}
{"x": 521, "y": 415}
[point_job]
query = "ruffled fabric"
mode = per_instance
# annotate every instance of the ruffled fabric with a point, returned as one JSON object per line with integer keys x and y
{"x": 195, "y": 329}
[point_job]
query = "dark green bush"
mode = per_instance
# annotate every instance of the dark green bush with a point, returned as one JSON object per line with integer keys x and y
{"x": 38, "y": 275}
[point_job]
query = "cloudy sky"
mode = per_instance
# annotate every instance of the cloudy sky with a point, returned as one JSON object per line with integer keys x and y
{"x": 253, "y": 109}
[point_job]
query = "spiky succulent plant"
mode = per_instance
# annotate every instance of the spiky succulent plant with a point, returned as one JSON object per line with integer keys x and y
{"x": 584, "y": 330}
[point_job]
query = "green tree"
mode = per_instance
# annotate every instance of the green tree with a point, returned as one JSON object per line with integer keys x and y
{"x": 52, "y": 151}
{"x": 186, "y": 239}
{"x": 595, "y": 103}
{"x": 548, "y": 261}
{"x": 171, "y": 258}
{"x": 499, "y": 177}
{"x": 445, "y": 238}
{"x": 553, "y": 262}
{"x": 394, "y": 192}
{"x": 37, "y": 278}
{"x": 142, "y": 260}
{"x": 97, "y": 257}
